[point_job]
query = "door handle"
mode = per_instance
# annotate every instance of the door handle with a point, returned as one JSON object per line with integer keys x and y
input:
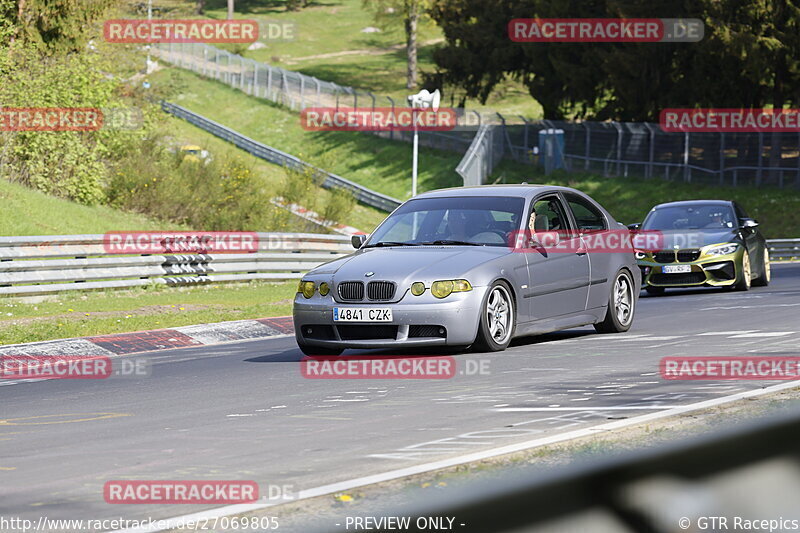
{"x": 582, "y": 248}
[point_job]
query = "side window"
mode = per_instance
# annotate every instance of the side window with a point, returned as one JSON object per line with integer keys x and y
{"x": 740, "y": 214}
{"x": 549, "y": 215}
{"x": 586, "y": 214}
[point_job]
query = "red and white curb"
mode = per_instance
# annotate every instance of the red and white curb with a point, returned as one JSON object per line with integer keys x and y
{"x": 159, "y": 339}
{"x": 315, "y": 217}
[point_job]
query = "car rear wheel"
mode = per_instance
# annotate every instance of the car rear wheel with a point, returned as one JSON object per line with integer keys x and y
{"x": 746, "y": 277}
{"x": 766, "y": 272}
{"x": 621, "y": 306}
{"x": 498, "y": 319}
{"x": 317, "y": 350}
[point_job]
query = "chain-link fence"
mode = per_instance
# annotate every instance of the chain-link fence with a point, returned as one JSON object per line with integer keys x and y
{"x": 606, "y": 148}
{"x": 298, "y": 91}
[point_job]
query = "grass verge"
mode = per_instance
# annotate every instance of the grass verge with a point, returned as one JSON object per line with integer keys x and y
{"x": 82, "y": 314}
{"x": 26, "y": 211}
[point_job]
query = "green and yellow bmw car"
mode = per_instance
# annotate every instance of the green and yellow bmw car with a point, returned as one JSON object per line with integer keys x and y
{"x": 700, "y": 243}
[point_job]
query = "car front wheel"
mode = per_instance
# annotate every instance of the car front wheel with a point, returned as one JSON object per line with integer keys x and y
{"x": 766, "y": 271}
{"x": 621, "y": 305}
{"x": 746, "y": 277}
{"x": 498, "y": 318}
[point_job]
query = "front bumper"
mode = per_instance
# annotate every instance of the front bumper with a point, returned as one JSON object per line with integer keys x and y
{"x": 711, "y": 271}
{"x": 417, "y": 321}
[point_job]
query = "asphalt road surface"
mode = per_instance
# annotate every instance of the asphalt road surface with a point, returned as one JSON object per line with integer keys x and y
{"x": 244, "y": 411}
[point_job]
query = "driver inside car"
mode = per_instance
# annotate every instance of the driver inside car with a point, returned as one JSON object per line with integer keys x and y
{"x": 457, "y": 226}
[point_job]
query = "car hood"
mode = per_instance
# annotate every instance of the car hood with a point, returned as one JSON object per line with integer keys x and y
{"x": 689, "y": 239}
{"x": 404, "y": 265}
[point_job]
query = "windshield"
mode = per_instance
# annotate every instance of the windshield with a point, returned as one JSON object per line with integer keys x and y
{"x": 451, "y": 221}
{"x": 694, "y": 217}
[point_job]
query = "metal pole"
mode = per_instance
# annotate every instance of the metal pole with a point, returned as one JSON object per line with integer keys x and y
{"x": 414, "y": 159}
{"x": 619, "y": 147}
{"x": 587, "y": 151}
{"x": 391, "y": 130}
{"x": 760, "y": 156}
{"x": 150, "y": 25}
{"x": 722, "y": 158}
{"x": 686, "y": 176}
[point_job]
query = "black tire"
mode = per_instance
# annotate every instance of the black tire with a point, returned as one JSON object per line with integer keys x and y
{"x": 621, "y": 305}
{"x": 654, "y": 290}
{"x": 318, "y": 350}
{"x": 746, "y": 278}
{"x": 498, "y": 319}
{"x": 766, "y": 271}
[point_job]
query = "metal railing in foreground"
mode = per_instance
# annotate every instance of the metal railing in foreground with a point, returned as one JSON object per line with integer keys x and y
{"x": 784, "y": 249}
{"x": 56, "y": 263}
{"x": 751, "y": 472}
{"x": 52, "y": 264}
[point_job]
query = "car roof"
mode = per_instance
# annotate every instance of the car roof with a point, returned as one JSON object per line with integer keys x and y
{"x": 522, "y": 190}
{"x": 687, "y": 203}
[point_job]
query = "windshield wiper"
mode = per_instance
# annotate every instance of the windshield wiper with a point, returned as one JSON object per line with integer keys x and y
{"x": 452, "y": 242}
{"x": 391, "y": 243}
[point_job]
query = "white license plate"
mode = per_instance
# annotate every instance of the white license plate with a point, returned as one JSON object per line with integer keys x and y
{"x": 676, "y": 269}
{"x": 362, "y": 314}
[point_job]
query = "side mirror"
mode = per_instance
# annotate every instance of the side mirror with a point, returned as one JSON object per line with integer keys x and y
{"x": 358, "y": 240}
{"x": 749, "y": 223}
{"x": 634, "y": 227}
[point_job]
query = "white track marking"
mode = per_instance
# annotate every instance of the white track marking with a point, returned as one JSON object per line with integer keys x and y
{"x": 664, "y": 338}
{"x": 726, "y": 332}
{"x": 332, "y": 488}
{"x": 762, "y": 334}
{"x": 614, "y": 408}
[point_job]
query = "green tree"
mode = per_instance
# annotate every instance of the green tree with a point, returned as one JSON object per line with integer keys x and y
{"x": 749, "y": 57}
{"x": 392, "y": 13}
{"x": 50, "y": 25}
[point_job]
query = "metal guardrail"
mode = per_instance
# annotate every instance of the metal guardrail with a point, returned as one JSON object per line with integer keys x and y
{"x": 57, "y": 263}
{"x": 52, "y": 264}
{"x": 784, "y": 249}
{"x": 330, "y": 181}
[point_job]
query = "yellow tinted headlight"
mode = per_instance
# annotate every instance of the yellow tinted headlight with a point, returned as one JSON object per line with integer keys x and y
{"x": 442, "y": 289}
{"x": 417, "y": 288}
{"x": 324, "y": 288}
{"x": 307, "y": 288}
{"x": 461, "y": 285}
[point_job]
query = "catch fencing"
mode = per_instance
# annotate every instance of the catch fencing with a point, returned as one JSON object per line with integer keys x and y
{"x": 328, "y": 180}
{"x": 623, "y": 149}
{"x": 298, "y": 91}
{"x": 57, "y": 263}
{"x": 53, "y": 264}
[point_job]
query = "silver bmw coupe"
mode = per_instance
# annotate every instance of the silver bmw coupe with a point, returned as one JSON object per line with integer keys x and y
{"x": 473, "y": 266}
